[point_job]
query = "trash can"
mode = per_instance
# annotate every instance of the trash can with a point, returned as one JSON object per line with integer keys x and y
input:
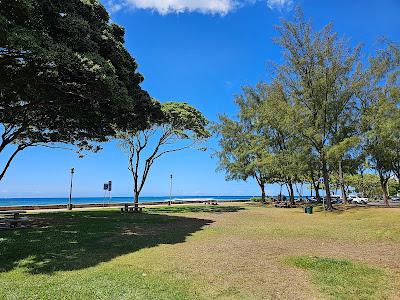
{"x": 308, "y": 210}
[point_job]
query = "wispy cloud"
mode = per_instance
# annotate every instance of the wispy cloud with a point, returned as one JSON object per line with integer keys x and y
{"x": 279, "y": 4}
{"x": 218, "y": 7}
{"x": 163, "y": 7}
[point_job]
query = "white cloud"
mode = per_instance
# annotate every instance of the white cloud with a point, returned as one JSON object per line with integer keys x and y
{"x": 163, "y": 7}
{"x": 279, "y": 4}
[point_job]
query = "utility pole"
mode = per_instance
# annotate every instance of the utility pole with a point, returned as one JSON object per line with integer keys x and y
{"x": 170, "y": 190}
{"x": 70, "y": 189}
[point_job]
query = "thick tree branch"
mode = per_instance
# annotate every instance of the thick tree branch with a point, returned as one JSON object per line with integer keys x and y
{"x": 10, "y": 159}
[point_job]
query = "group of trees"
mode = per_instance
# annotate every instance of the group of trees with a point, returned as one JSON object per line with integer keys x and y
{"x": 323, "y": 115}
{"x": 66, "y": 78}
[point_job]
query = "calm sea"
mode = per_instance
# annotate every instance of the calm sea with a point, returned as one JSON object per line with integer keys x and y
{"x": 100, "y": 200}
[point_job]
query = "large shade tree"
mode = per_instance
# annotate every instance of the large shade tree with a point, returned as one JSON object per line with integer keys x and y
{"x": 65, "y": 77}
{"x": 180, "y": 126}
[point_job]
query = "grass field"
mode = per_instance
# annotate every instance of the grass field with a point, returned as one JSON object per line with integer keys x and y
{"x": 204, "y": 252}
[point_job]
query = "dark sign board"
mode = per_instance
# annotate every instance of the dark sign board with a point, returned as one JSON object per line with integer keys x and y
{"x": 109, "y": 186}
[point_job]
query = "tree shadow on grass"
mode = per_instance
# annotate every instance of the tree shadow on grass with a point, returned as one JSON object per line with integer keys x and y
{"x": 75, "y": 240}
{"x": 196, "y": 208}
{"x": 340, "y": 209}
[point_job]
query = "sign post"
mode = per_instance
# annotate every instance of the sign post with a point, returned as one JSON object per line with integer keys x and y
{"x": 107, "y": 187}
{"x": 109, "y": 191}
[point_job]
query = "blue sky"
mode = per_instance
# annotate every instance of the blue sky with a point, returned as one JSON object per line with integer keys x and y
{"x": 200, "y": 52}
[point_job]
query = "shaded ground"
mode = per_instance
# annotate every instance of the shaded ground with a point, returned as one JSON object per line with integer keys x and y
{"x": 198, "y": 208}
{"x": 80, "y": 239}
{"x": 204, "y": 252}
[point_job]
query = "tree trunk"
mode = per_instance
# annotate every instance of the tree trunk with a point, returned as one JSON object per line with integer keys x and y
{"x": 317, "y": 196}
{"x": 362, "y": 183}
{"x": 262, "y": 187}
{"x": 315, "y": 184}
{"x": 341, "y": 181}
{"x": 325, "y": 175}
{"x": 136, "y": 201}
{"x": 384, "y": 182}
{"x": 291, "y": 193}
{"x": 316, "y": 188}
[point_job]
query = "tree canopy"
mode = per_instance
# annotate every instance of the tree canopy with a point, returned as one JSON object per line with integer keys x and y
{"x": 323, "y": 114}
{"x": 65, "y": 76}
{"x": 180, "y": 126}
{"x": 323, "y": 79}
{"x": 381, "y": 114}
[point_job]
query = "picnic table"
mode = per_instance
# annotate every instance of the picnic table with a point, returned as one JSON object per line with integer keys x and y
{"x": 13, "y": 218}
{"x": 211, "y": 202}
{"x": 285, "y": 205}
{"x": 129, "y": 208}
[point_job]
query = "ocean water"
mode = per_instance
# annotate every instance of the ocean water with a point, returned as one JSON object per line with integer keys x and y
{"x": 101, "y": 200}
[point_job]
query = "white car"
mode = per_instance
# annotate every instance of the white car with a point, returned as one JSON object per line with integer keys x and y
{"x": 359, "y": 199}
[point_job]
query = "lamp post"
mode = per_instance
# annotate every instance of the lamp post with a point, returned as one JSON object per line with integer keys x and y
{"x": 70, "y": 190}
{"x": 170, "y": 190}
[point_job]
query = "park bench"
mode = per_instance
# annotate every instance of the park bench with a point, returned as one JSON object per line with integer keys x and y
{"x": 128, "y": 208}
{"x": 13, "y": 218}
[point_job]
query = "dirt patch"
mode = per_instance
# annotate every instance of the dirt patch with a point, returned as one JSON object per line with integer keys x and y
{"x": 237, "y": 257}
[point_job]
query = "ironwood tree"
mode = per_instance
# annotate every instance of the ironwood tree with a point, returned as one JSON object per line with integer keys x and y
{"x": 243, "y": 148}
{"x": 323, "y": 78}
{"x": 381, "y": 115}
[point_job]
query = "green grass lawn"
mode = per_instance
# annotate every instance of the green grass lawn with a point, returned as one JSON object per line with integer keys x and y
{"x": 203, "y": 252}
{"x": 344, "y": 279}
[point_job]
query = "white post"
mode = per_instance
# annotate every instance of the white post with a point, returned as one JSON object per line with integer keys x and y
{"x": 170, "y": 190}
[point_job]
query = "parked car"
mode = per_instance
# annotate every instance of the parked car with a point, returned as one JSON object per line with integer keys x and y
{"x": 395, "y": 199}
{"x": 314, "y": 199}
{"x": 358, "y": 199}
{"x": 336, "y": 199}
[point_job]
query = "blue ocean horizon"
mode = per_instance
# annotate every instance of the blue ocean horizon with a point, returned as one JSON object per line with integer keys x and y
{"x": 106, "y": 200}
